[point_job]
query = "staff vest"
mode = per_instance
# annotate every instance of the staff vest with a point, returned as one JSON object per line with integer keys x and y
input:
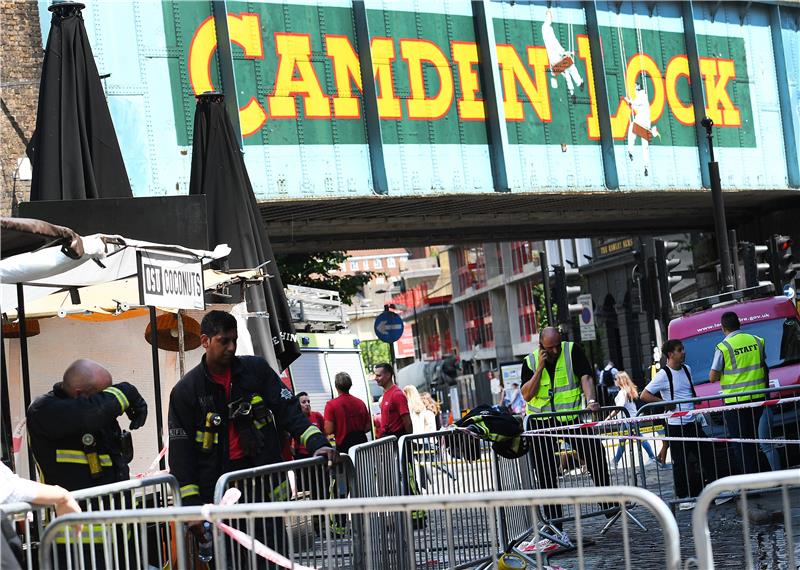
{"x": 743, "y": 369}
{"x": 559, "y": 394}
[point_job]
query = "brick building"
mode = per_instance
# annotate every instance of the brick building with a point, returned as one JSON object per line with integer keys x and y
{"x": 21, "y": 56}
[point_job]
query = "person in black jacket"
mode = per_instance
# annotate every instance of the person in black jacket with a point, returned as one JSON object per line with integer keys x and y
{"x": 74, "y": 434}
{"x": 229, "y": 413}
{"x": 77, "y": 442}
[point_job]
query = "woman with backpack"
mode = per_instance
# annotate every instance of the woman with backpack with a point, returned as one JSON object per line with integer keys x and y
{"x": 626, "y": 398}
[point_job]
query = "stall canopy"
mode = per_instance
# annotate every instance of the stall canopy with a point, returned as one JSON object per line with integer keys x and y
{"x": 53, "y": 267}
{"x": 117, "y": 299}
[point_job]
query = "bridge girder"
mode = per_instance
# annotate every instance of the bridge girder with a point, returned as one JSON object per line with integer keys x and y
{"x": 383, "y": 221}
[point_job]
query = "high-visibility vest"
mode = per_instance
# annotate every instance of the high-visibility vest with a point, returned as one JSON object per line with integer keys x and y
{"x": 743, "y": 369}
{"x": 563, "y": 392}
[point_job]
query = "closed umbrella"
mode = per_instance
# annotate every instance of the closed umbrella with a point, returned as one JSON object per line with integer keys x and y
{"x": 74, "y": 150}
{"x": 218, "y": 172}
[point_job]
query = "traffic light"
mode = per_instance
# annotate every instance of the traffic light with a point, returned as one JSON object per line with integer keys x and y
{"x": 666, "y": 280}
{"x": 565, "y": 293}
{"x": 753, "y": 268}
{"x": 782, "y": 261}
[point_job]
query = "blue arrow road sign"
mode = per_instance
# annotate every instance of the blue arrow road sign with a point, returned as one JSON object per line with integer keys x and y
{"x": 789, "y": 291}
{"x": 388, "y": 326}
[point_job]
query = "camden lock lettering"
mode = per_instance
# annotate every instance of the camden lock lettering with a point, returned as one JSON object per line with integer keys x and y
{"x": 439, "y": 78}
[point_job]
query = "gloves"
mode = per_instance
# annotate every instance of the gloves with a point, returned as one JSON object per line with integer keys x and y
{"x": 137, "y": 407}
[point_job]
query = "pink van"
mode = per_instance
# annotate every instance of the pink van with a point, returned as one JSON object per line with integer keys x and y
{"x": 775, "y": 319}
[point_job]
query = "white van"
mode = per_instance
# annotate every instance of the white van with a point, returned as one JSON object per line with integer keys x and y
{"x": 323, "y": 355}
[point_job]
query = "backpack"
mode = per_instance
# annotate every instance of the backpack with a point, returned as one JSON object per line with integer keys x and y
{"x": 497, "y": 425}
{"x": 607, "y": 379}
{"x": 668, "y": 372}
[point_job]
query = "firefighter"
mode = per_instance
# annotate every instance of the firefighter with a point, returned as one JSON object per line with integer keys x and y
{"x": 229, "y": 413}
{"x": 77, "y": 443}
{"x": 73, "y": 429}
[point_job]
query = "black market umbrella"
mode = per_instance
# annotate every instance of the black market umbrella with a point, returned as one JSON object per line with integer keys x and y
{"x": 74, "y": 150}
{"x": 218, "y": 171}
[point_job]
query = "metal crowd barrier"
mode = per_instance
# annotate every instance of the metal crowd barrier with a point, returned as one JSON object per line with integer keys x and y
{"x": 376, "y": 470}
{"x": 93, "y": 547}
{"x": 449, "y": 462}
{"x": 564, "y": 456}
{"x": 314, "y": 540}
{"x": 730, "y": 439}
{"x": 664, "y": 549}
{"x": 22, "y": 515}
{"x": 747, "y": 489}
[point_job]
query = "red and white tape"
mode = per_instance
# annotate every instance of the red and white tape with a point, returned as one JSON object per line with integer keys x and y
{"x": 232, "y": 496}
{"x": 664, "y": 416}
{"x": 153, "y": 468}
{"x": 19, "y": 434}
{"x": 572, "y": 435}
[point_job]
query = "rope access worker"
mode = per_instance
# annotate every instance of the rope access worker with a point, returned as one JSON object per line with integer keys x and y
{"x": 74, "y": 434}
{"x": 230, "y": 413}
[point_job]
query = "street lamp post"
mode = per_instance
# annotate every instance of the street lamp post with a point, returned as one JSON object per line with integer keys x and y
{"x": 720, "y": 227}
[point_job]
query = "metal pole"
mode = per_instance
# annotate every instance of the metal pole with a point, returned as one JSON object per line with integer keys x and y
{"x": 734, "y": 249}
{"x": 546, "y": 286}
{"x": 5, "y": 410}
{"x": 720, "y": 226}
{"x": 225, "y": 60}
{"x": 26, "y": 373}
{"x": 157, "y": 385}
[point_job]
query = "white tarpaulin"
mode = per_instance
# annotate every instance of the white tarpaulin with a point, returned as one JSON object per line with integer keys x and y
{"x": 118, "y": 263}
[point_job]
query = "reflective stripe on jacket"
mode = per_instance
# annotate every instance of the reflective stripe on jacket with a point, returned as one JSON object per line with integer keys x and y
{"x": 743, "y": 369}
{"x": 563, "y": 392}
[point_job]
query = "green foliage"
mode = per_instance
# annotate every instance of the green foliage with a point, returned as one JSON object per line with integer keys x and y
{"x": 374, "y": 352}
{"x": 541, "y": 312}
{"x": 314, "y": 270}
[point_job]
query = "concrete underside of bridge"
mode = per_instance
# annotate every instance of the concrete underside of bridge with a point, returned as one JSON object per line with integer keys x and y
{"x": 372, "y": 222}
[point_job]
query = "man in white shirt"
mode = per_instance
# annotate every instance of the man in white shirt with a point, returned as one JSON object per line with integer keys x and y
{"x": 690, "y": 459}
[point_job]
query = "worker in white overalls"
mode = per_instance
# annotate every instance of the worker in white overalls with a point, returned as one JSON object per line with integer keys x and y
{"x": 640, "y": 124}
{"x": 562, "y": 62}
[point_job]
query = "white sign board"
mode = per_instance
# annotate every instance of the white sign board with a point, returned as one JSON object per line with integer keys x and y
{"x": 587, "y": 317}
{"x": 170, "y": 281}
{"x": 511, "y": 373}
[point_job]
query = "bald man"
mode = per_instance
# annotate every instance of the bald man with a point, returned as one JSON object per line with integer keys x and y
{"x": 74, "y": 432}
{"x": 555, "y": 380}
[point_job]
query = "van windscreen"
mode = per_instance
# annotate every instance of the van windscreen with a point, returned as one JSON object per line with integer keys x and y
{"x": 781, "y": 337}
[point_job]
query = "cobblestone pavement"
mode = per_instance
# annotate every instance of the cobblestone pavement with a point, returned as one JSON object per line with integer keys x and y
{"x": 766, "y": 541}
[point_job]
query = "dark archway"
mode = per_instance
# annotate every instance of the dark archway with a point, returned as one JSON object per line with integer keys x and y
{"x": 612, "y": 331}
{"x": 633, "y": 329}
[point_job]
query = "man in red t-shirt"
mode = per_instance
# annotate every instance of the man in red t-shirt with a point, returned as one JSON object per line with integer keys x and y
{"x": 395, "y": 418}
{"x": 316, "y": 419}
{"x": 346, "y": 417}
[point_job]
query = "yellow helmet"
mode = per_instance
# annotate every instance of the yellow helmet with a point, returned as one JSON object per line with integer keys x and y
{"x": 511, "y": 561}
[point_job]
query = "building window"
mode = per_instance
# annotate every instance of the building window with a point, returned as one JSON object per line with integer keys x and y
{"x": 499, "y": 258}
{"x": 522, "y": 253}
{"x": 526, "y": 309}
{"x": 471, "y": 270}
{"x": 343, "y": 267}
{"x": 377, "y": 264}
{"x": 478, "y": 323}
{"x": 354, "y": 266}
{"x": 391, "y": 262}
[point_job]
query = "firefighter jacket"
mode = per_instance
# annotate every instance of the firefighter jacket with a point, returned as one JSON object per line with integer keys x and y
{"x": 77, "y": 442}
{"x": 199, "y": 415}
